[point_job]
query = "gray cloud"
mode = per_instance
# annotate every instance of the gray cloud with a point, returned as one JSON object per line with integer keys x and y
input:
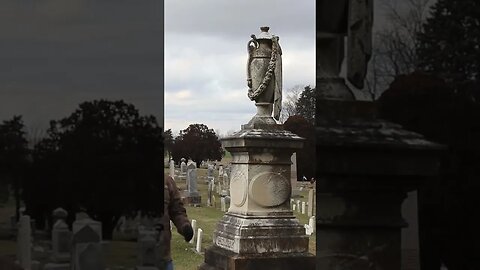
{"x": 205, "y": 56}
{"x": 55, "y": 54}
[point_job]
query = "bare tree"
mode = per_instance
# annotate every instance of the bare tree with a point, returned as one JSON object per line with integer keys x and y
{"x": 395, "y": 44}
{"x": 290, "y": 101}
{"x": 35, "y": 134}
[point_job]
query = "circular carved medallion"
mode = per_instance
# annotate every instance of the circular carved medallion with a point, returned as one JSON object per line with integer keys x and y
{"x": 269, "y": 189}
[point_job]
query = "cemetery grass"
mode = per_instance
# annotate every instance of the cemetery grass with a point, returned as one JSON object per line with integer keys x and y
{"x": 183, "y": 254}
{"x": 123, "y": 252}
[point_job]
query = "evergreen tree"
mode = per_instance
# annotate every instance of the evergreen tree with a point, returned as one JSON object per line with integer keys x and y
{"x": 305, "y": 105}
{"x": 448, "y": 45}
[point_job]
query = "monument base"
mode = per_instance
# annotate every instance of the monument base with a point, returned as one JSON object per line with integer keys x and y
{"x": 261, "y": 234}
{"x": 217, "y": 258}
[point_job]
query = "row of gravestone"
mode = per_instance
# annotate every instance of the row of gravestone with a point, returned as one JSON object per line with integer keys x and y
{"x": 79, "y": 249}
{"x": 188, "y": 171}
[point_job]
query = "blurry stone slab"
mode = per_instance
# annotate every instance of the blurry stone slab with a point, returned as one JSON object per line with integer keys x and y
{"x": 210, "y": 193}
{"x": 81, "y": 215}
{"x": 220, "y": 171}
{"x": 36, "y": 265}
{"x": 59, "y": 213}
{"x": 86, "y": 245}
{"x": 146, "y": 245}
{"x": 24, "y": 243}
{"x": 88, "y": 256}
{"x": 210, "y": 171}
{"x": 293, "y": 175}
{"x": 61, "y": 242}
{"x": 311, "y": 223}
{"x": 183, "y": 167}
{"x": 172, "y": 168}
{"x": 410, "y": 237}
{"x": 226, "y": 183}
{"x": 147, "y": 268}
{"x": 40, "y": 253}
{"x": 223, "y": 205}
{"x": 87, "y": 231}
{"x": 13, "y": 222}
{"x": 57, "y": 266}
{"x": 147, "y": 222}
{"x": 33, "y": 225}
{"x": 311, "y": 202}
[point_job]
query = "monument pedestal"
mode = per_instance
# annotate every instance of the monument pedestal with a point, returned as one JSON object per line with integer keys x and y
{"x": 218, "y": 258}
{"x": 260, "y": 231}
{"x": 365, "y": 167}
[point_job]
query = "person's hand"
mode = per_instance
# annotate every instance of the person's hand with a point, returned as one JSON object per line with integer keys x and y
{"x": 187, "y": 232}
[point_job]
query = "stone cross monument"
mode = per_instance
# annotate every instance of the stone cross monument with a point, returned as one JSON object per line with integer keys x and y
{"x": 260, "y": 231}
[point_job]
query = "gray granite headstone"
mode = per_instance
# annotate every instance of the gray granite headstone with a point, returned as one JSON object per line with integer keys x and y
{"x": 86, "y": 245}
{"x": 147, "y": 251}
{"x": 61, "y": 241}
{"x": 192, "y": 179}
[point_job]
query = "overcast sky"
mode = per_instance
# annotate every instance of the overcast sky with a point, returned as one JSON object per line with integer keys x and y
{"x": 55, "y": 54}
{"x": 206, "y": 56}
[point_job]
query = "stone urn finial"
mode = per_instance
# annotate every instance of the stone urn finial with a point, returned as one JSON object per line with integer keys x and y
{"x": 264, "y": 79}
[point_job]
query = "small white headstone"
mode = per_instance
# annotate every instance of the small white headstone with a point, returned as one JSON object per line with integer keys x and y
{"x": 199, "y": 240}
{"x": 172, "y": 169}
{"x": 194, "y": 227}
{"x": 223, "y": 204}
{"x": 311, "y": 223}
{"x": 311, "y": 202}
{"x": 303, "y": 208}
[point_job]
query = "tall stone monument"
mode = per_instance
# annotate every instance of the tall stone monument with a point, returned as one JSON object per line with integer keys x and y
{"x": 260, "y": 231}
{"x": 365, "y": 165}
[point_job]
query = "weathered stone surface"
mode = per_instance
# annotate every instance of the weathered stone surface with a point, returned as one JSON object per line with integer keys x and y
{"x": 57, "y": 266}
{"x": 24, "y": 242}
{"x": 61, "y": 242}
{"x": 365, "y": 167}
{"x": 217, "y": 258}
{"x": 260, "y": 234}
{"x": 87, "y": 252}
{"x": 147, "y": 250}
